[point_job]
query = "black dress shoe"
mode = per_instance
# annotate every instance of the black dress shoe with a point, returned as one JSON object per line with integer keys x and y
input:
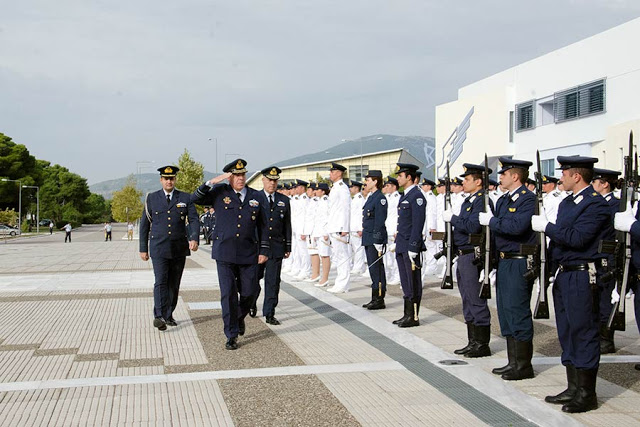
{"x": 232, "y": 344}
{"x": 272, "y": 320}
{"x": 241, "y": 327}
{"x": 253, "y": 311}
{"x": 171, "y": 321}
{"x": 159, "y": 323}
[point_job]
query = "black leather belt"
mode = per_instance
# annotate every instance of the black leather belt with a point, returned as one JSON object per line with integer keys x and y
{"x": 512, "y": 255}
{"x": 574, "y": 267}
{"x": 465, "y": 251}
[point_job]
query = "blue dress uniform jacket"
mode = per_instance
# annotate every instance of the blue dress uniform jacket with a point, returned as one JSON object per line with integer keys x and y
{"x": 167, "y": 235}
{"x": 411, "y": 217}
{"x": 279, "y": 223}
{"x": 374, "y": 215}
{"x": 511, "y": 225}
{"x": 574, "y": 241}
{"x": 241, "y": 231}
{"x": 467, "y": 221}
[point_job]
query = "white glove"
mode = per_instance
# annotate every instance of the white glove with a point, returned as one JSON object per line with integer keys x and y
{"x": 492, "y": 277}
{"x": 635, "y": 208}
{"x": 413, "y": 255}
{"x": 623, "y": 221}
{"x": 537, "y": 285}
{"x": 454, "y": 264}
{"x": 615, "y": 296}
{"x": 539, "y": 222}
{"x": 391, "y": 247}
{"x": 446, "y": 215}
{"x": 378, "y": 247}
{"x": 485, "y": 217}
{"x": 481, "y": 276}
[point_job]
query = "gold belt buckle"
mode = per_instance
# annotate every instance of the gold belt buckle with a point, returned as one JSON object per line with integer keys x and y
{"x": 501, "y": 255}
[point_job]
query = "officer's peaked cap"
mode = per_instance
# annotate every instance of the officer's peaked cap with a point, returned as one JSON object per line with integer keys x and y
{"x": 393, "y": 181}
{"x": 168, "y": 171}
{"x": 493, "y": 182}
{"x": 301, "y": 183}
{"x": 572, "y": 162}
{"x": 337, "y": 166}
{"x": 323, "y": 186}
{"x": 272, "y": 172}
{"x": 470, "y": 168}
{"x": 355, "y": 184}
{"x": 406, "y": 167}
{"x": 426, "y": 181}
{"x": 605, "y": 173}
{"x": 546, "y": 179}
{"x": 374, "y": 174}
{"x": 238, "y": 166}
{"x": 508, "y": 163}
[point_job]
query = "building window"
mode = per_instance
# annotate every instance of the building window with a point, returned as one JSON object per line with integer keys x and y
{"x": 525, "y": 118}
{"x": 580, "y": 101}
{"x": 548, "y": 166}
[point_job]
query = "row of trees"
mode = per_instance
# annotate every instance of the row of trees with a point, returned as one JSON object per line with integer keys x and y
{"x": 65, "y": 196}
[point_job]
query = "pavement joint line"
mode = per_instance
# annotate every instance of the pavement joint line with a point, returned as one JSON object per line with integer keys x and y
{"x": 202, "y": 376}
{"x": 467, "y": 385}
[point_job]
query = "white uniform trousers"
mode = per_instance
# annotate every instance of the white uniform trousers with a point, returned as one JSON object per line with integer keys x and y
{"x": 340, "y": 258}
{"x": 359, "y": 264}
{"x": 430, "y": 263}
{"x": 391, "y": 267}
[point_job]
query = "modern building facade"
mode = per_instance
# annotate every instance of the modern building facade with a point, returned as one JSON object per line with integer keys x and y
{"x": 580, "y": 99}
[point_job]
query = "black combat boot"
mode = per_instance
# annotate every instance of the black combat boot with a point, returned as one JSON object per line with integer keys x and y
{"x": 585, "y": 398}
{"x": 378, "y": 301}
{"x": 567, "y": 395}
{"x": 404, "y": 317}
{"x": 481, "y": 337}
{"x": 374, "y": 293}
{"x": 465, "y": 349}
{"x": 606, "y": 340}
{"x": 523, "y": 369}
{"x": 511, "y": 357}
{"x": 412, "y": 316}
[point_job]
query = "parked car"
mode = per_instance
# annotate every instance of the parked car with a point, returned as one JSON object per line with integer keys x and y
{"x": 6, "y": 230}
{"x": 45, "y": 222}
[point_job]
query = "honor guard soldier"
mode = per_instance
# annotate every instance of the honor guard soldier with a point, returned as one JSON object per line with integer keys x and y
{"x": 605, "y": 182}
{"x": 511, "y": 228}
{"x": 409, "y": 243}
{"x": 391, "y": 224}
{"x": 430, "y": 225}
{"x": 240, "y": 242}
{"x": 169, "y": 229}
{"x": 302, "y": 261}
{"x": 574, "y": 248}
{"x": 551, "y": 198}
{"x": 531, "y": 185}
{"x": 457, "y": 196}
{"x": 355, "y": 225}
{"x": 465, "y": 225}
{"x": 320, "y": 234}
{"x": 276, "y": 208}
{"x": 374, "y": 237}
{"x": 338, "y": 228}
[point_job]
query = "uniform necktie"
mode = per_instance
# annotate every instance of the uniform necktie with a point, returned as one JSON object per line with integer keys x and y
{"x": 270, "y": 201}
{"x": 239, "y": 197}
{"x": 168, "y": 199}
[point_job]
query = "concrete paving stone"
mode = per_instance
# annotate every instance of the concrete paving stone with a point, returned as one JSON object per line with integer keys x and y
{"x": 93, "y": 369}
{"x": 33, "y": 408}
{"x": 46, "y": 368}
{"x": 12, "y": 363}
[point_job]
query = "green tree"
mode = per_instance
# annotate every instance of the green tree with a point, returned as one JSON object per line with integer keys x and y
{"x": 16, "y": 164}
{"x": 9, "y": 217}
{"x": 127, "y": 203}
{"x": 63, "y": 193}
{"x": 97, "y": 209}
{"x": 191, "y": 173}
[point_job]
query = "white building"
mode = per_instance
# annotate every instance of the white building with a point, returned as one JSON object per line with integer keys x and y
{"x": 580, "y": 99}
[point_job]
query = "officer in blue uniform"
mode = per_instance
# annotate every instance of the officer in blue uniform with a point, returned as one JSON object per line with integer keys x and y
{"x": 240, "y": 242}
{"x": 374, "y": 237}
{"x": 409, "y": 243}
{"x": 169, "y": 229}
{"x": 574, "y": 248}
{"x": 605, "y": 181}
{"x": 511, "y": 228}
{"x": 466, "y": 230}
{"x": 277, "y": 209}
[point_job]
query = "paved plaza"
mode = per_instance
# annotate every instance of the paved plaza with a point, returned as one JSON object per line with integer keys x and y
{"x": 77, "y": 347}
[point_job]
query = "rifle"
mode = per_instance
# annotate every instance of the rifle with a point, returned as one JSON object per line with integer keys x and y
{"x": 541, "y": 266}
{"x": 485, "y": 286}
{"x": 622, "y": 254}
{"x": 447, "y": 241}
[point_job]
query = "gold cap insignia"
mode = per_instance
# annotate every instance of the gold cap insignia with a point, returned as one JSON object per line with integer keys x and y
{"x": 544, "y": 179}
{"x": 397, "y": 168}
{"x": 239, "y": 165}
{"x": 168, "y": 170}
{"x": 273, "y": 172}
{"x": 465, "y": 168}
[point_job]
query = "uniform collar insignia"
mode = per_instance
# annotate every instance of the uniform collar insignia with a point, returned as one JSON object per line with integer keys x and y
{"x": 578, "y": 199}
{"x": 516, "y": 196}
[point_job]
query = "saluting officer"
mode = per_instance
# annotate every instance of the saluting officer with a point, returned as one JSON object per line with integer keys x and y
{"x": 276, "y": 208}
{"x": 240, "y": 242}
{"x": 475, "y": 310}
{"x": 605, "y": 181}
{"x": 165, "y": 236}
{"x": 511, "y": 228}
{"x": 409, "y": 243}
{"x": 374, "y": 237}
{"x": 574, "y": 247}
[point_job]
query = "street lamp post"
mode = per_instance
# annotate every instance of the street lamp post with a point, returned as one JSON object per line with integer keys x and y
{"x": 37, "y": 206}
{"x": 215, "y": 139}
{"x": 19, "y": 201}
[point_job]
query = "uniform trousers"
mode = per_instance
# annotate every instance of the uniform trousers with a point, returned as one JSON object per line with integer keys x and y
{"x": 576, "y": 320}
{"x": 376, "y": 271}
{"x": 234, "y": 279}
{"x": 67, "y": 236}
{"x": 513, "y": 300}
{"x": 270, "y": 270}
{"x": 474, "y": 308}
{"x": 340, "y": 257}
{"x": 411, "y": 288}
{"x": 168, "y": 273}
{"x": 359, "y": 262}
{"x": 431, "y": 264}
{"x": 391, "y": 266}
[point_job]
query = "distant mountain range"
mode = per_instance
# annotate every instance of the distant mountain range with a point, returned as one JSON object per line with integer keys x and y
{"x": 421, "y": 147}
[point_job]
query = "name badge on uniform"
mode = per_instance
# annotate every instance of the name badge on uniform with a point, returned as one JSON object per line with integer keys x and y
{"x": 578, "y": 199}
{"x": 515, "y": 197}
{"x": 420, "y": 202}
{"x": 226, "y": 200}
{"x": 383, "y": 202}
{"x": 254, "y": 203}
{"x": 181, "y": 205}
{"x": 280, "y": 203}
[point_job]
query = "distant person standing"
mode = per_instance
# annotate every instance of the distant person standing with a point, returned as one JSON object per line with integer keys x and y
{"x": 67, "y": 228}
{"x": 51, "y": 227}
{"x": 130, "y": 231}
{"x": 107, "y": 231}
{"x": 165, "y": 236}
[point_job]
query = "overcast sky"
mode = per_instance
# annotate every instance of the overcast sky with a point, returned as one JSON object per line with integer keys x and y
{"x": 100, "y": 85}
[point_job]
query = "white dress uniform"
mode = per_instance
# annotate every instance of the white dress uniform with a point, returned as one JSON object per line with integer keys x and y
{"x": 494, "y": 195}
{"x": 551, "y": 202}
{"x": 440, "y": 227}
{"x": 359, "y": 264}
{"x": 295, "y": 251}
{"x": 287, "y": 263}
{"x": 430, "y": 263}
{"x": 338, "y": 222}
{"x": 304, "y": 261}
{"x": 320, "y": 227}
{"x": 391, "y": 223}
{"x": 310, "y": 225}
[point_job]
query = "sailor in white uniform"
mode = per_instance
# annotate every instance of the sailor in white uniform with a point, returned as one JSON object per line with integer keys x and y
{"x": 338, "y": 228}
{"x": 359, "y": 264}
{"x": 390, "y": 264}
